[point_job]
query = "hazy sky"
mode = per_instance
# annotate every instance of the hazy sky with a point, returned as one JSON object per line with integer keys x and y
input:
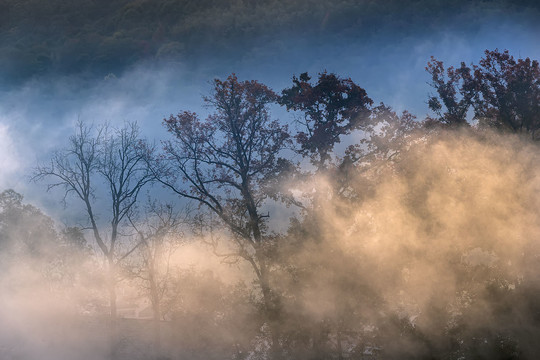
{"x": 38, "y": 115}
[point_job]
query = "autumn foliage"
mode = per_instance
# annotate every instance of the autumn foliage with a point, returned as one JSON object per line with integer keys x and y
{"x": 499, "y": 92}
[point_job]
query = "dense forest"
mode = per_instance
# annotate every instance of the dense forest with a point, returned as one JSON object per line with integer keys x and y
{"x": 403, "y": 238}
{"x": 101, "y": 37}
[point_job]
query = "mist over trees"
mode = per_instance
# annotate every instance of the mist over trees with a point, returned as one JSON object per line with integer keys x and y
{"x": 112, "y": 156}
{"x": 403, "y": 238}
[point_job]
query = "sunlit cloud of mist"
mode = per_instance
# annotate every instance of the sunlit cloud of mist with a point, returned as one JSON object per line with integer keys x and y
{"x": 445, "y": 240}
{"x": 441, "y": 245}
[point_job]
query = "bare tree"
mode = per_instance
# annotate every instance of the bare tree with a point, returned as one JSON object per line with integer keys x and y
{"x": 500, "y": 92}
{"x": 223, "y": 163}
{"x": 93, "y": 158}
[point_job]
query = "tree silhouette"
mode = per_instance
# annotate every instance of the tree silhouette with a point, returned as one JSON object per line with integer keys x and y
{"x": 455, "y": 90}
{"x": 25, "y": 231}
{"x": 509, "y": 93}
{"x": 223, "y": 163}
{"x": 113, "y": 157}
{"x": 503, "y": 93}
{"x": 331, "y": 108}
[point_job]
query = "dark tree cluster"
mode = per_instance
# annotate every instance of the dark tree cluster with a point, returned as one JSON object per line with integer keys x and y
{"x": 499, "y": 92}
{"x": 331, "y": 108}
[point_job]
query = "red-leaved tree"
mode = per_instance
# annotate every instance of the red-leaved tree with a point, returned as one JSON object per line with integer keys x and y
{"x": 502, "y": 92}
{"x": 224, "y": 162}
{"x": 331, "y": 107}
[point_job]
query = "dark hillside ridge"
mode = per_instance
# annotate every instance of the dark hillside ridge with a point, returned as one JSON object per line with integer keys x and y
{"x": 102, "y": 36}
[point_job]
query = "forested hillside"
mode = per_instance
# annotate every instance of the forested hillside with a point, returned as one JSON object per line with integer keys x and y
{"x": 100, "y": 36}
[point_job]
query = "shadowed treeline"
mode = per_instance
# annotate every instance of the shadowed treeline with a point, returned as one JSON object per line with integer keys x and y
{"x": 102, "y": 37}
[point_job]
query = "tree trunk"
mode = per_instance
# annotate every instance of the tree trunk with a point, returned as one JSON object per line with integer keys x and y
{"x": 271, "y": 312}
{"x": 156, "y": 309}
{"x": 113, "y": 335}
{"x": 320, "y": 341}
{"x": 157, "y": 333}
{"x": 339, "y": 339}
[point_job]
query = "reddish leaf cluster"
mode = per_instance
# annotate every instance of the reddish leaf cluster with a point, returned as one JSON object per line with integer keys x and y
{"x": 235, "y": 149}
{"x": 332, "y": 107}
{"x": 503, "y": 93}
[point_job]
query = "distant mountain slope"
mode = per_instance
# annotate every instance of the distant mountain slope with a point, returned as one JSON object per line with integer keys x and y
{"x": 104, "y": 36}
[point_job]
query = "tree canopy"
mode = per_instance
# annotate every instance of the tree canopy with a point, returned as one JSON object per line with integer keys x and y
{"x": 501, "y": 92}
